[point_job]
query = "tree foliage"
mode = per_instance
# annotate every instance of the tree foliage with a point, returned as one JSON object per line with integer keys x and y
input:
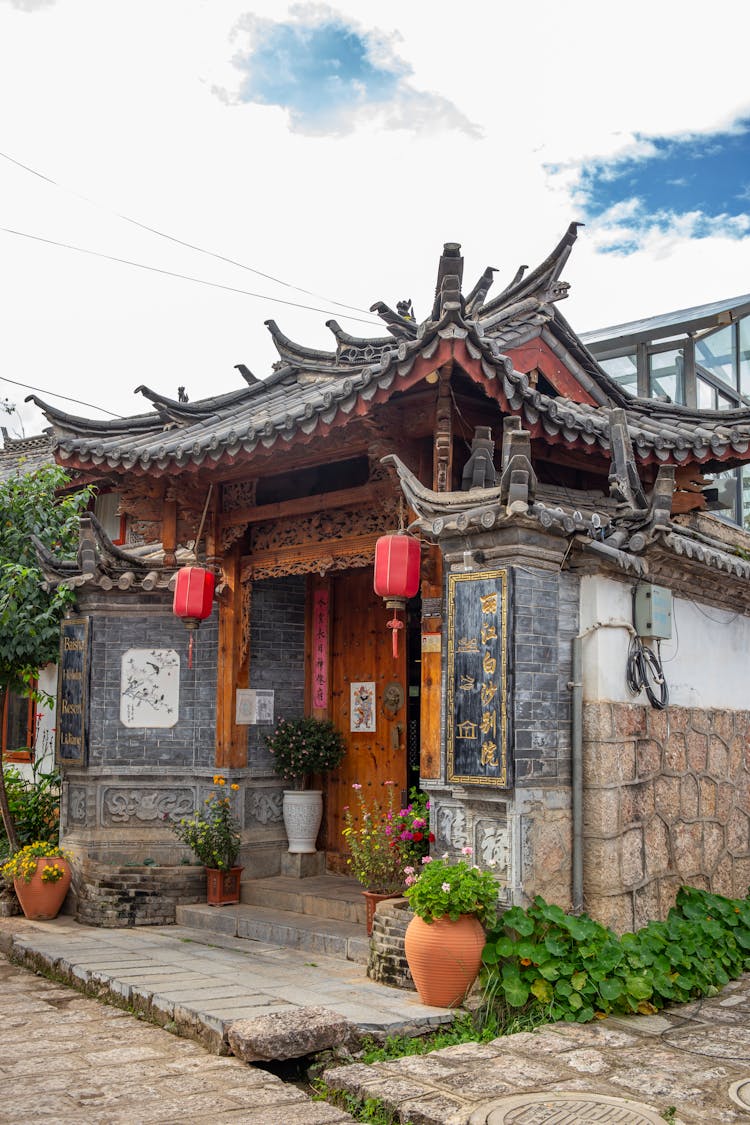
{"x": 33, "y": 505}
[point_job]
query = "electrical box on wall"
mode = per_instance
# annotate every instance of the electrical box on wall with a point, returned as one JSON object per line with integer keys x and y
{"x": 652, "y": 611}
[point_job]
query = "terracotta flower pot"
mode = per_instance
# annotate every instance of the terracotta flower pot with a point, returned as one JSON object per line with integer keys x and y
{"x": 42, "y": 901}
{"x": 223, "y": 887}
{"x": 372, "y": 898}
{"x": 444, "y": 958}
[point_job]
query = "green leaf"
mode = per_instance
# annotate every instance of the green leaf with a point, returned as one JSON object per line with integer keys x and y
{"x": 516, "y": 992}
{"x": 549, "y": 971}
{"x": 611, "y": 989}
{"x": 578, "y": 980}
{"x": 638, "y": 987}
{"x": 542, "y": 989}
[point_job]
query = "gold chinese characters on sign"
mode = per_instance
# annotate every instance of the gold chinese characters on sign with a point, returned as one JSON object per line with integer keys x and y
{"x": 477, "y": 678}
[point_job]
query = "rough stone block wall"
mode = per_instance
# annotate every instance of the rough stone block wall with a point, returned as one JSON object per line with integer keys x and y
{"x": 277, "y": 655}
{"x": 666, "y": 802}
{"x": 387, "y": 963}
{"x": 118, "y": 896}
{"x": 191, "y": 742}
{"x": 544, "y": 621}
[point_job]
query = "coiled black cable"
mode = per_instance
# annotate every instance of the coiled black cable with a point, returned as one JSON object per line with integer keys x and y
{"x": 644, "y": 672}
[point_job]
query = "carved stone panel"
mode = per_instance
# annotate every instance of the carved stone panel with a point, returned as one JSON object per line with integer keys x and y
{"x": 145, "y": 806}
{"x": 451, "y": 831}
{"x": 77, "y": 805}
{"x": 264, "y": 806}
{"x": 492, "y": 846}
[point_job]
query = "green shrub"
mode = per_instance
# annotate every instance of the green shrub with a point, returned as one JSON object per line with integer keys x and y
{"x": 34, "y": 805}
{"x": 577, "y": 969}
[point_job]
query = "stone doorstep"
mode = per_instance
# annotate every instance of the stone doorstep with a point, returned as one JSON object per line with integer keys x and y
{"x": 345, "y": 940}
{"x": 324, "y": 896}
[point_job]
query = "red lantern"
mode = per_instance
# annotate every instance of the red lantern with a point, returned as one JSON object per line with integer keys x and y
{"x": 193, "y": 599}
{"x": 397, "y": 561}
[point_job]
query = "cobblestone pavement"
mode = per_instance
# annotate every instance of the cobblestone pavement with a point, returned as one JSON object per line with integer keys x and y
{"x": 689, "y": 1058}
{"x": 67, "y": 1058}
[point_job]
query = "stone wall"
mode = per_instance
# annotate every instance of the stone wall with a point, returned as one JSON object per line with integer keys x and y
{"x": 191, "y": 742}
{"x": 277, "y": 655}
{"x": 666, "y": 802}
{"x": 118, "y": 896}
{"x": 387, "y": 961}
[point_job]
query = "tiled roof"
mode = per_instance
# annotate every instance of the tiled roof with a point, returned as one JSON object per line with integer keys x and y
{"x": 24, "y": 455}
{"x": 311, "y": 389}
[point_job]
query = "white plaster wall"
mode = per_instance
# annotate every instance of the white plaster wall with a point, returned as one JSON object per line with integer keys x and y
{"x": 45, "y": 730}
{"x": 706, "y": 663}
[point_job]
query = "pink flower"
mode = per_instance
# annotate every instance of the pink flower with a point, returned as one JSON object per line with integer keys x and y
{"x": 356, "y": 786}
{"x": 389, "y": 783}
{"x": 427, "y": 804}
{"x": 388, "y": 830}
{"x": 408, "y": 871}
{"x": 467, "y": 851}
{"x": 445, "y": 887}
{"x": 426, "y": 859}
{"x": 410, "y": 880}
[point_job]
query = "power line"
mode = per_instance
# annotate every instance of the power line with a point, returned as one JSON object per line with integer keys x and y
{"x": 181, "y": 242}
{"x": 54, "y": 394}
{"x": 171, "y": 273}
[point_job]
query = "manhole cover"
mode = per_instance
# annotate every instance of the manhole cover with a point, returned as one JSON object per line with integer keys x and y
{"x": 739, "y": 1092}
{"x": 564, "y": 1109}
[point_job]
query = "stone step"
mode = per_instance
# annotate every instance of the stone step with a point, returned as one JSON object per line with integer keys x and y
{"x": 331, "y": 937}
{"x": 324, "y": 896}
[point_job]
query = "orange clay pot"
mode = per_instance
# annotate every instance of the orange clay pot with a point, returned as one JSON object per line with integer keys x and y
{"x": 444, "y": 958}
{"x": 42, "y": 901}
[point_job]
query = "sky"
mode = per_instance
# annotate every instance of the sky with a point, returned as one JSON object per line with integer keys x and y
{"x": 251, "y": 157}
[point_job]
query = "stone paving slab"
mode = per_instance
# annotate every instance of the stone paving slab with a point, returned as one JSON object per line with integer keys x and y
{"x": 691, "y": 1058}
{"x": 201, "y": 982}
{"x": 104, "y": 1067}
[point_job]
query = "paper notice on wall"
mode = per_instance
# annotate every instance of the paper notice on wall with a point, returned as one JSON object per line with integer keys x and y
{"x": 254, "y": 706}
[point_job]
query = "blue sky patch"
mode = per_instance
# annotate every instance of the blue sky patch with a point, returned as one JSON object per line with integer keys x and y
{"x": 326, "y": 71}
{"x": 704, "y": 180}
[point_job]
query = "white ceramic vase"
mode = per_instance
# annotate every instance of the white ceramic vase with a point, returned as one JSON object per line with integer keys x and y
{"x": 303, "y": 812}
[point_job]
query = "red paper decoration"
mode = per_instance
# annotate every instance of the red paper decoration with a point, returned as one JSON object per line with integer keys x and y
{"x": 193, "y": 599}
{"x": 397, "y": 563}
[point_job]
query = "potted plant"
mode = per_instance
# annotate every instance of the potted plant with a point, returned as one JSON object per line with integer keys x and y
{"x": 40, "y": 874}
{"x": 445, "y": 939}
{"x": 382, "y": 840}
{"x": 211, "y": 832}
{"x": 300, "y": 748}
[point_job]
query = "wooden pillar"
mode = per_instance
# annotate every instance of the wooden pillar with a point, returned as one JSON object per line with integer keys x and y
{"x": 231, "y": 746}
{"x": 169, "y": 527}
{"x": 430, "y": 697}
{"x": 442, "y": 468}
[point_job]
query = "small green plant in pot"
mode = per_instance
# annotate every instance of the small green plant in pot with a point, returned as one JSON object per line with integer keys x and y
{"x": 444, "y": 941}
{"x": 212, "y": 834}
{"x": 300, "y": 748}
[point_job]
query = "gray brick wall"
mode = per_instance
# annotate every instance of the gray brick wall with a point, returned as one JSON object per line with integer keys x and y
{"x": 191, "y": 742}
{"x": 544, "y": 621}
{"x": 277, "y": 655}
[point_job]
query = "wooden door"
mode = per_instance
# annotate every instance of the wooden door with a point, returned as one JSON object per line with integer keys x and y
{"x": 362, "y": 653}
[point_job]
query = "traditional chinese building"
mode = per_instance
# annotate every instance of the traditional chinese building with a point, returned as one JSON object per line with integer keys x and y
{"x": 566, "y": 547}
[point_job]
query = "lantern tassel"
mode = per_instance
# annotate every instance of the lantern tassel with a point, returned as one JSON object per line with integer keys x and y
{"x": 190, "y": 650}
{"x": 395, "y": 625}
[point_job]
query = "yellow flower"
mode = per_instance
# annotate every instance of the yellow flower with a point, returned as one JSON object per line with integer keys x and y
{"x": 217, "y": 778}
{"x": 221, "y": 781}
{"x": 233, "y": 786}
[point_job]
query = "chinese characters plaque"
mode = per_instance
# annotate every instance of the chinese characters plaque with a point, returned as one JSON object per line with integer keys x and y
{"x": 477, "y": 721}
{"x": 72, "y": 692}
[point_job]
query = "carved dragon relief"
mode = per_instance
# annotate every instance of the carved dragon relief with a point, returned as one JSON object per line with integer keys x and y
{"x": 246, "y": 601}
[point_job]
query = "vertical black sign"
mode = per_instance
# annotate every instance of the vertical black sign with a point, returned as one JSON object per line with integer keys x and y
{"x": 477, "y": 718}
{"x": 72, "y": 693}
